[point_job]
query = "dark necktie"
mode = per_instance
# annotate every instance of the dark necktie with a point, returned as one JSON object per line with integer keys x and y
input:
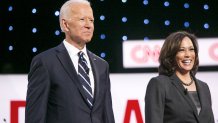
{"x": 83, "y": 74}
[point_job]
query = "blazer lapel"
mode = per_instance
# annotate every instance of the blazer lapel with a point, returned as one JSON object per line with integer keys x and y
{"x": 200, "y": 94}
{"x": 177, "y": 82}
{"x": 65, "y": 60}
{"x": 93, "y": 62}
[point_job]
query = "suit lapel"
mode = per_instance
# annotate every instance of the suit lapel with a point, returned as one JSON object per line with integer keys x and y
{"x": 67, "y": 64}
{"x": 200, "y": 94}
{"x": 177, "y": 83}
{"x": 93, "y": 62}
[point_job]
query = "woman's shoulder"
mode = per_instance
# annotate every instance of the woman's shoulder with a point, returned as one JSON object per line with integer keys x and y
{"x": 159, "y": 83}
{"x": 161, "y": 77}
{"x": 201, "y": 83}
{"x": 159, "y": 80}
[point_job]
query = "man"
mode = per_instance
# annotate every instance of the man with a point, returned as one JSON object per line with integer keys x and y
{"x": 68, "y": 83}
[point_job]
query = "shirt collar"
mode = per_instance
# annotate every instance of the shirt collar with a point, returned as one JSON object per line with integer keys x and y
{"x": 73, "y": 50}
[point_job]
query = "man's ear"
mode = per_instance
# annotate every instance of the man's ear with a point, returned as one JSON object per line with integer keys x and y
{"x": 64, "y": 25}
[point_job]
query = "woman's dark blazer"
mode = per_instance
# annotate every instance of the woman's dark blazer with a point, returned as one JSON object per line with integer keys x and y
{"x": 167, "y": 101}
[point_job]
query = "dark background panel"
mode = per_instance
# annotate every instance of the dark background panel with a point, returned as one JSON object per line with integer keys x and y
{"x": 18, "y": 44}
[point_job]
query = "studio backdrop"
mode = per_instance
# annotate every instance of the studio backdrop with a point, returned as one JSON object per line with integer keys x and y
{"x": 128, "y": 92}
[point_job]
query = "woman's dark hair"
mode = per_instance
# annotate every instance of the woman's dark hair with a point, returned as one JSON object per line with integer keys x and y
{"x": 167, "y": 58}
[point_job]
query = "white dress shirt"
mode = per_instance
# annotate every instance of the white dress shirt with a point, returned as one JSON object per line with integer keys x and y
{"x": 73, "y": 52}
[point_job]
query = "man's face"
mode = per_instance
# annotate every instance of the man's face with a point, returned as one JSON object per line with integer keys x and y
{"x": 80, "y": 24}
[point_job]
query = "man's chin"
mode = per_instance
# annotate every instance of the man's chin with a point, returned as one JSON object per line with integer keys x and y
{"x": 88, "y": 40}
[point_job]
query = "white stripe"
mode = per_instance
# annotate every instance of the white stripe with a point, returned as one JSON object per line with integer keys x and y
{"x": 83, "y": 69}
{"x": 85, "y": 61}
{"x": 83, "y": 58}
{"x": 87, "y": 91}
{"x": 85, "y": 79}
{"x": 89, "y": 102}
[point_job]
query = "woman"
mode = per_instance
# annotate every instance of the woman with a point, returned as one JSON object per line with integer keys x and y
{"x": 176, "y": 96}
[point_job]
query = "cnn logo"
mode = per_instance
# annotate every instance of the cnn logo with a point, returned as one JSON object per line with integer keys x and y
{"x": 141, "y": 54}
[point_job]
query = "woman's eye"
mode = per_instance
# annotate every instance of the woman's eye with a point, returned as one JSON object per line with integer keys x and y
{"x": 181, "y": 49}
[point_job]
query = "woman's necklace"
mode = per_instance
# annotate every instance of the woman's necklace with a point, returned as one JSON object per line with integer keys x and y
{"x": 188, "y": 84}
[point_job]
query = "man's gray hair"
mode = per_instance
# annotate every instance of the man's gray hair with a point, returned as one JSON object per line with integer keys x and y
{"x": 65, "y": 8}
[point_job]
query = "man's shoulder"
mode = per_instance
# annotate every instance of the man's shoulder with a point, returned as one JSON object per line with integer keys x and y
{"x": 48, "y": 53}
{"x": 96, "y": 57}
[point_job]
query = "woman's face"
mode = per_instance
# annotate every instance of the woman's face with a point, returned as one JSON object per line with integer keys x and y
{"x": 185, "y": 57}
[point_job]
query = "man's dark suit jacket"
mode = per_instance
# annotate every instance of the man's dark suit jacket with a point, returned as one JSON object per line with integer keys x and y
{"x": 167, "y": 101}
{"x": 55, "y": 94}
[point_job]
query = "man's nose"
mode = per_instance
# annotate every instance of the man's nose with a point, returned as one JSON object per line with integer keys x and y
{"x": 88, "y": 23}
